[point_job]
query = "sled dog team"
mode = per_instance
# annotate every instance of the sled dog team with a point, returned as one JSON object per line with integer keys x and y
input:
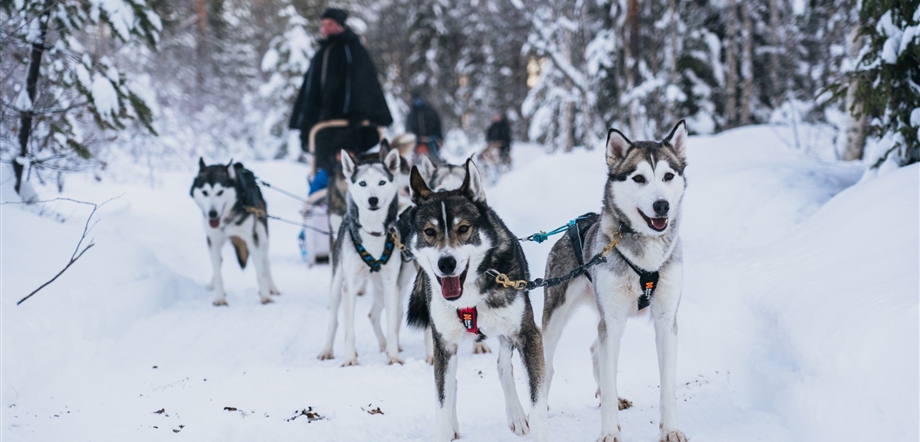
{"x": 469, "y": 277}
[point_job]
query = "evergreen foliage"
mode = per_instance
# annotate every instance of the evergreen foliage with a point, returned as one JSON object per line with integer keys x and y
{"x": 59, "y": 73}
{"x": 887, "y": 76}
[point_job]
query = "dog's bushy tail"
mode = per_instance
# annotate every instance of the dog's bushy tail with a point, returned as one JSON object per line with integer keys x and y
{"x": 242, "y": 252}
{"x": 418, "y": 315}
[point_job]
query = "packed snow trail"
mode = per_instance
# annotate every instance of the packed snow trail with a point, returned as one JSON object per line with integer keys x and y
{"x": 799, "y": 315}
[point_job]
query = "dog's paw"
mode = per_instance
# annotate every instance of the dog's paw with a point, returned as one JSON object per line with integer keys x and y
{"x": 429, "y": 360}
{"x": 673, "y": 436}
{"x": 456, "y": 435}
{"x": 350, "y": 362}
{"x": 266, "y": 300}
{"x": 273, "y": 291}
{"x": 610, "y": 437}
{"x": 383, "y": 346}
{"x": 481, "y": 348}
{"x": 325, "y": 356}
{"x": 394, "y": 360}
{"x": 517, "y": 421}
{"x": 221, "y": 302}
{"x": 624, "y": 403}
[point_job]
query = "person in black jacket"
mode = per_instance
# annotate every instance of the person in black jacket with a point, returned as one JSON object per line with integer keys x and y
{"x": 498, "y": 135}
{"x": 340, "y": 84}
{"x": 425, "y": 123}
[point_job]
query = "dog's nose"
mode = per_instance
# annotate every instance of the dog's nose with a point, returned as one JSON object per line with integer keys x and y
{"x": 661, "y": 207}
{"x": 372, "y": 201}
{"x": 447, "y": 265}
{"x": 212, "y": 214}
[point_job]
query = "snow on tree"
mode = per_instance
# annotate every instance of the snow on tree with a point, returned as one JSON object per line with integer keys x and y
{"x": 887, "y": 78}
{"x": 59, "y": 78}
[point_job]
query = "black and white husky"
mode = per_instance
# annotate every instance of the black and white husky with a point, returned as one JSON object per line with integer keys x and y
{"x": 459, "y": 242}
{"x": 440, "y": 178}
{"x": 364, "y": 253}
{"x": 643, "y": 272}
{"x": 224, "y": 192}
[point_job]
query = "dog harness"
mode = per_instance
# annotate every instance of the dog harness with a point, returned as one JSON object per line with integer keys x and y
{"x": 374, "y": 264}
{"x": 468, "y": 319}
{"x": 648, "y": 281}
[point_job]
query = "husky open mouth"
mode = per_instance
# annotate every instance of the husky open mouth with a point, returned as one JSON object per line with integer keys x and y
{"x": 452, "y": 286}
{"x": 656, "y": 224}
{"x": 214, "y": 222}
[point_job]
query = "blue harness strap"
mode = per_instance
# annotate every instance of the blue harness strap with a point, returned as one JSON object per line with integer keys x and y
{"x": 374, "y": 264}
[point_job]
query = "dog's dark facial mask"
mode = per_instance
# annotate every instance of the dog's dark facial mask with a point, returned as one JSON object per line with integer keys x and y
{"x": 450, "y": 238}
{"x": 214, "y": 190}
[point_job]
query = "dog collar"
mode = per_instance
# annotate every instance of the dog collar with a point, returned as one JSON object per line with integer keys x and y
{"x": 375, "y": 234}
{"x": 468, "y": 319}
{"x": 374, "y": 264}
{"x": 648, "y": 281}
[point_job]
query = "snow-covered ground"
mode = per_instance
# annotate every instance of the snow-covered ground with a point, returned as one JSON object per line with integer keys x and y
{"x": 799, "y": 318}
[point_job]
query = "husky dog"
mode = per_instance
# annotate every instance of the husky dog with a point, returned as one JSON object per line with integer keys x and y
{"x": 459, "y": 243}
{"x": 363, "y": 251}
{"x": 642, "y": 208}
{"x": 439, "y": 179}
{"x": 224, "y": 193}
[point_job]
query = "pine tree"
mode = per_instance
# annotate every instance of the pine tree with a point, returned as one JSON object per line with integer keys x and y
{"x": 60, "y": 72}
{"x": 887, "y": 76}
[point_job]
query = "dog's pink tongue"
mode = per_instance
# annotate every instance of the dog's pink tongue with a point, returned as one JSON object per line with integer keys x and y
{"x": 450, "y": 287}
{"x": 214, "y": 222}
{"x": 659, "y": 223}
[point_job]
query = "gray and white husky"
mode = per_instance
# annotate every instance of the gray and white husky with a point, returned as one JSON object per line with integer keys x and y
{"x": 440, "y": 178}
{"x": 223, "y": 192}
{"x": 643, "y": 271}
{"x": 364, "y": 253}
{"x": 459, "y": 241}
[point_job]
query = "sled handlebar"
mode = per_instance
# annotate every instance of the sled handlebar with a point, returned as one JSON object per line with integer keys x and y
{"x": 330, "y": 124}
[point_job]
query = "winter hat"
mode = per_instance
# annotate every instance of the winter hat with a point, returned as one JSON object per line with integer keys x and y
{"x": 335, "y": 14}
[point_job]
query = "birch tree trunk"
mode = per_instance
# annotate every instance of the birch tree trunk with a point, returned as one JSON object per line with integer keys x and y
{"x": 856, "y": 127}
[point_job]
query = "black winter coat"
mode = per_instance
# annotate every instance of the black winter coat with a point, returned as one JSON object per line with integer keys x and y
{"x": 423, "y": 121}
{"x": 499, "y": 131}
{"x": 340, "y": 84}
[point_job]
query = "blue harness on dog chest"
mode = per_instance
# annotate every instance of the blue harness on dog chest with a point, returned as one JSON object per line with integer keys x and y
{"x": 374, "y": 264}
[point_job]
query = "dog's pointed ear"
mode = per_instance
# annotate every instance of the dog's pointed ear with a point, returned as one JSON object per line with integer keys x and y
{"x": 348, "y": 164}
{"x": 472, "y": 183}
{"x": 201, "y": 165}
{"x": 678, "y": 138}
{"x": 391, "y": 161}
{"x": 417, "y": 185}
{"x": 426, "y": 168}
{"x": 384, "y": 149}
{"x": 230, "y": 170}
{"x": 617, "y": 145}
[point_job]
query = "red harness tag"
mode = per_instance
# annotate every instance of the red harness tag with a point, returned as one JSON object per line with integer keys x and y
{"x": 468, "y": 319}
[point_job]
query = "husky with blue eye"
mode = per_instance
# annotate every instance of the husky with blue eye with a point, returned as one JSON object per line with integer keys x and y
{"x": 460, "y": 243}
{"x": 638, "y": 227}
{"x": 227, "y": 196}
{"x": 365, "y": 254}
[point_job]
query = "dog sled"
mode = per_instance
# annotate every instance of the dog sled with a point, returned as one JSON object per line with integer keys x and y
{"x": 494, "y": 160}
{"x": 324, "y": 209}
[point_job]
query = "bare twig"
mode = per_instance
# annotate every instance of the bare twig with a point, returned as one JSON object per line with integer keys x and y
{"x": 77, "y": 253}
